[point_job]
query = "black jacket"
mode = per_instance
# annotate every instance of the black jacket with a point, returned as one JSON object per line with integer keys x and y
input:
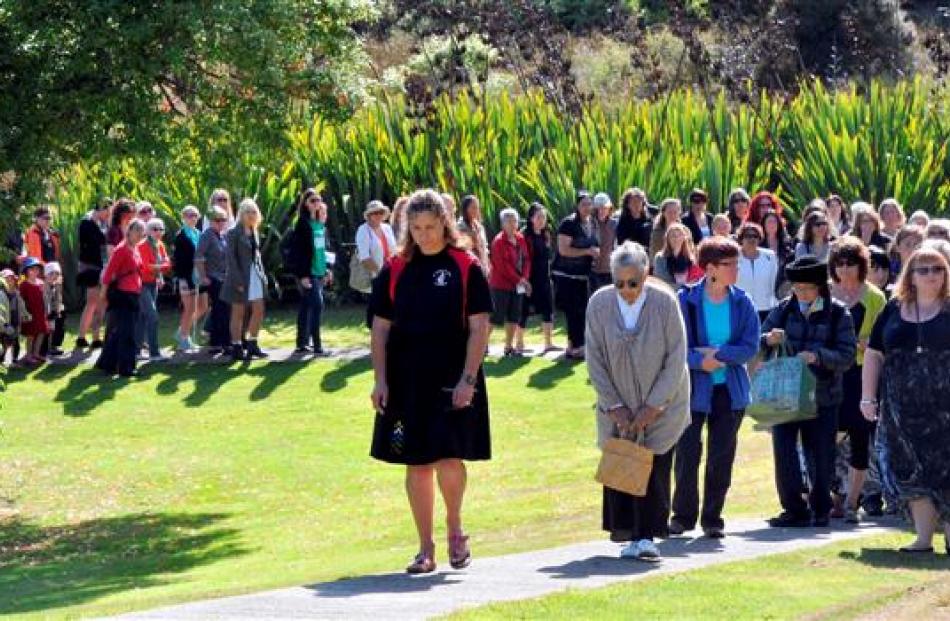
{"x": 828, "y": 333}
{"x": 689, "y": 221}
{"x": 634, "y": 229}
{"x": 301, "y": 249}
{"x": 183, "y": 258}
{"x": 91, "y": 242}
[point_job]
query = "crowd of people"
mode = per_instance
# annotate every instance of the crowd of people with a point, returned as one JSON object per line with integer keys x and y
{"x": 669, "y": 307}
{"x": 670, "y": 311}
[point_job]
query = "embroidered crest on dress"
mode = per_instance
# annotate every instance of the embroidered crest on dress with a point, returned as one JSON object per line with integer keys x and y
{"x": 440, "y": 278}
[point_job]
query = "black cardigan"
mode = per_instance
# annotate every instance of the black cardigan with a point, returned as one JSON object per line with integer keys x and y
{"x": 301, "y": 250}
{"x": 91, "y": 242}
{"x": 183, "y": 258}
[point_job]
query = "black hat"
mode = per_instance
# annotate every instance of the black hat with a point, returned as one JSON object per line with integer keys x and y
{"x": 879, "y": 258}
{"x": 807, "y": 269}
{"x": 698, "y": 194}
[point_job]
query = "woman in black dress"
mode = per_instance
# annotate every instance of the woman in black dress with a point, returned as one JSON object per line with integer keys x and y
{"x": 905, "y": 365}
{"x": 541, "y": 298}
{"x": 577, "y": 248}
{"x": 430, "y": 305}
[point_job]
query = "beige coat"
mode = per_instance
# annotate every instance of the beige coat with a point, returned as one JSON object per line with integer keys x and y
{"x": 646, "y": 366}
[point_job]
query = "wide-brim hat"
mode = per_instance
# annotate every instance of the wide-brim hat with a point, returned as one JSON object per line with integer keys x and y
{"x": 807, "y": 269}
{"x": 376, "y": 207}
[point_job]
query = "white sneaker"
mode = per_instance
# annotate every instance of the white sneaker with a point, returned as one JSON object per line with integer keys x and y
{"x": 642, "y": 550}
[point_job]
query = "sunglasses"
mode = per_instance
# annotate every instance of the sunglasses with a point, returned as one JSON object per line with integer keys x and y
{"x": 633, "y": 283}
{"x": 846, "y": 263}
{"x": 925, "y": 270}
{"x": 821, "y": 224}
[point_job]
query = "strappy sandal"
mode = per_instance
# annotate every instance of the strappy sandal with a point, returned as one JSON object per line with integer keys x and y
{"x": 424, "y": 563}
{"x": 460, "y": 556}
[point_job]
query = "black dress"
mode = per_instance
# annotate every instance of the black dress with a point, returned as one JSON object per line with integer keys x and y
{"x": 914, "y": 412}
{"x": 541, "y": 299}
{"x": 425, "y": 358}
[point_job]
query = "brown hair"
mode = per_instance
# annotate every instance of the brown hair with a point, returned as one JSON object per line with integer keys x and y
{"x": 751, "y": 227}
{"x": 845, "y": 212}
{"x": 661, "y": 216}
{"x": 429, "y": 201}
{"x": 688, "y": 249}
{"x": 866, "y": 214}
{"x": 715, "y": 250}
{"x": 808, "y": 230}
{"x": 852, "y": 248}
{"x": 905, "y": 291}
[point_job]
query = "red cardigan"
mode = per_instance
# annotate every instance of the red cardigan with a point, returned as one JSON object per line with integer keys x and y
{"x": 149, "y": 260}
{"x": 504, "y": 259}
{"x": 125, "y": 267}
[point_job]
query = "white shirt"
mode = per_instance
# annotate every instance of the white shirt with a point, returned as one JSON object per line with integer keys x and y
{"x": 757, "y": 278}
{"x": 630, "y": 313}
{"x": 368, "y": 245}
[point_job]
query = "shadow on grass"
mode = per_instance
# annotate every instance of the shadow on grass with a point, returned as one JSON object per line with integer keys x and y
{"x": 549, "y": 376}
{"x": 87, "y": 390}
{"x": 207, "y": 379}
{"x": 503, "y": 367}
{"x": 891, "y": 558}
{"x": 338, "y": 378}
{"x": 46, "y": 567}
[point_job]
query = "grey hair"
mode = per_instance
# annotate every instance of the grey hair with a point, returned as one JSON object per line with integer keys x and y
{"x": 155, "y": 224}
{"x": 507, "y": 213}
{"x": 940, "y": 245}
{"x": 629, "y": 254}
{"x": 135, "y": 225}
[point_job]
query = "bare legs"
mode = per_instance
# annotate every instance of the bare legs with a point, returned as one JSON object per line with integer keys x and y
{"x": 547, "y": 329}
{"x": 254, "y": 320}
{"x": 925, "y": 523}
{"x": 420, "y": 488}
{"x": 189, "y": 304}
{"x": 91, "y": 318}
{"x": 856, "y": 480}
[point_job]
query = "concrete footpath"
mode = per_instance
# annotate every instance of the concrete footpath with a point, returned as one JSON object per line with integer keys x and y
{"x": 506, "y": 578}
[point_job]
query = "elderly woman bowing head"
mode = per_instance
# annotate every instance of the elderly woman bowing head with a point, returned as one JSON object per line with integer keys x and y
{"x": 636, "y": 346}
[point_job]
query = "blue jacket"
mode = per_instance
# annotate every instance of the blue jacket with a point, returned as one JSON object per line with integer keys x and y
{"x": 742, "y": 346}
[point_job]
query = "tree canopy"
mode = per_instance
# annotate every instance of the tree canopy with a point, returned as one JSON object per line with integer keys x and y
{"x": 98, "y": 78}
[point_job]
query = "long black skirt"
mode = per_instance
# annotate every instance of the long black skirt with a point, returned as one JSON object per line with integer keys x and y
{"x": 643, "y": 517}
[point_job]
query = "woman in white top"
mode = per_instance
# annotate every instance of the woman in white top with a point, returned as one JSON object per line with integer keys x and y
{"x": 375, "y": 241}
{"x": 758, "y": 269}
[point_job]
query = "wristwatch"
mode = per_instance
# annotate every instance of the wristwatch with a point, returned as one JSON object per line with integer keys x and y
{"x": 469, "y": 379}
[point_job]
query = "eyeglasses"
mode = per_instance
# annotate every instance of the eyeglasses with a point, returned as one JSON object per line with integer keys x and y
{"x": 821, "y": 224}
{"x": 752, "y": 237}
{"x": 191, "y": 215}
{"x": 846, "y": 263}
{"x": 925, "y": 270}
{"x": 313, "y": 200}
{"x": 633, "y": 283}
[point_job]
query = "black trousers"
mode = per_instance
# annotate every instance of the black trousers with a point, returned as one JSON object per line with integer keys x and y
{"x": 218, "y": 324}
{"x": 818, "y": 442}
{"x": 643, "y": 517}
{"x": 119, "y": 350}
{"x": 572, "y": 294}
{"x": 722, "y": 438}
{"x": 57, "y": 336}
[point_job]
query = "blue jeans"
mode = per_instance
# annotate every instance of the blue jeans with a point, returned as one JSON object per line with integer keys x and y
{"x": 146, "y": 326}
{"x": 308, "y": 316}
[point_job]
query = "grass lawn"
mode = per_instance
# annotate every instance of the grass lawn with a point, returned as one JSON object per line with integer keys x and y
{"x": 840, "y": 581}
{"x": 200, "y": 481}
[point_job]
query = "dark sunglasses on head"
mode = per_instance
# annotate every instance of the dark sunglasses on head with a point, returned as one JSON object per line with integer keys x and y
{"x": 633, "y": 283}
{"x": 924, "y": 270}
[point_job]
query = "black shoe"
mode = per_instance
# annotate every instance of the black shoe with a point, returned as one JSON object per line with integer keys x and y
{"x": 322, "y": 353}
{"x": 214, "y": 350}
{"x": 96, "y": 344}
{"x": 303, "y": 350}
{"x": 81, "y": 343}
{"x": 676, "y": 527}
{"x": 56, "y": 351}
{"x": 254, "y": 351}
{"x": 236, "y": 351}
{"x": 714, "y": 532}
{"x": 790, "y": 520}
{"x": 132, "y": 373}
{"x": 821, "y": 522}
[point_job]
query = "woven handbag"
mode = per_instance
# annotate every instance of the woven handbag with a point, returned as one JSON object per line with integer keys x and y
{"x": 625, "y": 466}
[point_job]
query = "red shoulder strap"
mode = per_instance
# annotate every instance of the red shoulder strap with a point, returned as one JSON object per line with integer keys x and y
{"x": 396, "y": 266}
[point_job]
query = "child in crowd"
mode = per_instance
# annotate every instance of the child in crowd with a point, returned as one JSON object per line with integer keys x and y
{"x": 11, "y": 312}
{"x": 721, "y": 227}
{"x": 53, "y": 291}
{"x": 36, "y": 328}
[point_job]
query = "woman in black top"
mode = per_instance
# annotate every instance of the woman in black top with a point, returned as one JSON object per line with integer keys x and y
{"x": 541, "y": 299}
{"x": 738, "y": 209}
{"x": 576, "y": 249}
{"x": 777, "y": 240}
{"x": 430, "y": 328}
{"x": 905, "y": 366}
{"x": 635, "y": 223}
{"x": 92, "y": 258}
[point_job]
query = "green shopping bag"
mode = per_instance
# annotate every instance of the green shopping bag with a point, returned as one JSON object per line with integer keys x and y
{"x": 782, "y": 391}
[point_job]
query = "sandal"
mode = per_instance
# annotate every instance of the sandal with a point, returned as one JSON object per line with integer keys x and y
{"x": 424, "y": 563}
{"x": 460, "y": 556}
